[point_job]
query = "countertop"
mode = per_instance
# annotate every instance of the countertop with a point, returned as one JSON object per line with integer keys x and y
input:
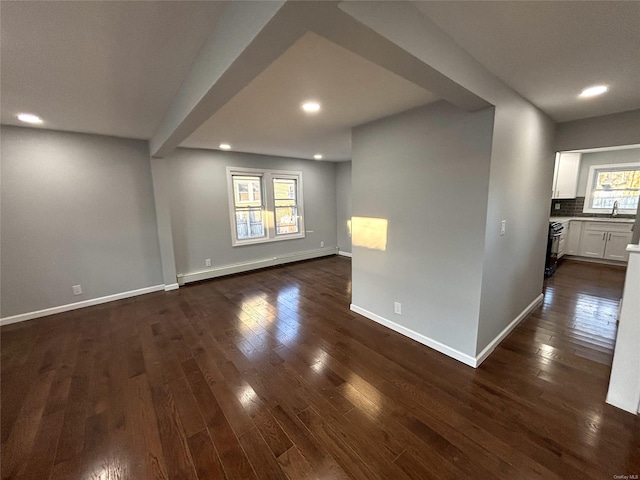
{"x": 592, "y": 219}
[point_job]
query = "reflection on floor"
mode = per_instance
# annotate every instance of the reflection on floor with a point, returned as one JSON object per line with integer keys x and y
{"x": 581, "y": 307}
{"x": 269, "y": 375}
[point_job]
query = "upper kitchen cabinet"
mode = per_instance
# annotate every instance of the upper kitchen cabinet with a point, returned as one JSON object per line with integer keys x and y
{"x": 565, "y": 175}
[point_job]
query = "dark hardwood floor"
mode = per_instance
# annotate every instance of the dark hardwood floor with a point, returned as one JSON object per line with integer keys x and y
{"x": 269, "y": 375}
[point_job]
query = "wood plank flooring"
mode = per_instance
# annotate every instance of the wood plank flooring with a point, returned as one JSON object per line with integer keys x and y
{"x": 268, "y": 375}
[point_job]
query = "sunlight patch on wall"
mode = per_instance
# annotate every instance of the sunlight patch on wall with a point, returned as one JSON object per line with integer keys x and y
{"x": 369, "y": 232}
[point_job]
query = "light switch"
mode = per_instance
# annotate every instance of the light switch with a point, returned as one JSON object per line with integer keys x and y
{"x": 503, "y": 227}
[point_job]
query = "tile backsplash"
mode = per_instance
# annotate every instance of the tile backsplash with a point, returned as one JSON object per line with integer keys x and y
{"x": 573, "y": 208}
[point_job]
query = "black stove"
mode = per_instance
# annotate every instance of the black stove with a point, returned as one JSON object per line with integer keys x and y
{"x": 555, "y": 231}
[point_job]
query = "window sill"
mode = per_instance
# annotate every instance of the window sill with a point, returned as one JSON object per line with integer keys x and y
{"x": 607, "y": 211}
{"x": 258, "y": 241}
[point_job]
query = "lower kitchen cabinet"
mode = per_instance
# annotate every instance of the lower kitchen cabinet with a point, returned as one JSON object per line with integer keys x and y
{"x": 592, "y": 244}
{"x": 605, "y": 240}
{"x": 573, "y": 238}
{"x": 616, "y": 248}
{"x": 562, "y": 240}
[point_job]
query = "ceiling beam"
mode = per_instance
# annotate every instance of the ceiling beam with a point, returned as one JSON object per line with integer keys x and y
{"x": 251, "y": 35}
{"x": 455, "y": 73}
{"x": 248, "y": 37}
{"x": 346, "y": 26}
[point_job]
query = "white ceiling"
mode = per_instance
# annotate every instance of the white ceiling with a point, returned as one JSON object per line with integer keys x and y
{"x": 265, "y": 117}
{"x": 549, "y": 51}
{"x": 99, "y": 67}
{"x": 114, "y": 67}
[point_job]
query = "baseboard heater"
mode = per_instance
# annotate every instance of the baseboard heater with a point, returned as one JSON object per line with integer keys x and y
{"x": 185, "y": 278}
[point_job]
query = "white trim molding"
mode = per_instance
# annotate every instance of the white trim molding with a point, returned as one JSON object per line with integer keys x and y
{"x": 445, "y": 349}
{"x": 507, "y": 330}
{"x": 602, "y": 261}
{"x": 184, "y": 278}
{"x": 74, "y": 306}
{"x": 591, "y": 185}
{"x": 418, "y": 337}
{"x": 267, "y": 204}
{"x": 624, "y": 382}
{"x": 345, "y": 254}
{"x": 172, "y": 286}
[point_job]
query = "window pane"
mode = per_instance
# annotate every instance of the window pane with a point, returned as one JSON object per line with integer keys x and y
{"x": 286, "y": 220}
{"x": 627, "y": 199}
{"x": 249, "y": 223}
{"x": 285, "y": 194}
{"x": 284, "y": 189}
{"x": 620, "y": 179}
{"x": 622, "y": 186}
{"x": 247, "y": 191}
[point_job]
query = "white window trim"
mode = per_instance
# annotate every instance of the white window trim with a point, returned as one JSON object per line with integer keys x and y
{"x": 591, "y": 178}
{"x": 269, "y": 205}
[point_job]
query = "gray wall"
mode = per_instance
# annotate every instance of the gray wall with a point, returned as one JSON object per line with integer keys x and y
{"x": 521, "y": 162}
{"x": 427, "y": 172}
{"x": 200, "y": 212}
{"x": 605, "y": 131}
{"x": 343, "y": 200}
{"x": 521, "y": 176}
{"x": 161, "y": 194}
{"x": 76, "y": 209}
{"x": 603, "y": 158}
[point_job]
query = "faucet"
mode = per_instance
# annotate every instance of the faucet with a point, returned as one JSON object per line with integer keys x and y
{"x": 614, "y": 211}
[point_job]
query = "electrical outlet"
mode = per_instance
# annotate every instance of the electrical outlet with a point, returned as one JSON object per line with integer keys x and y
{"x": 397, "y": 308}
{"x": 207, "y": 262}
{"x": 321, "y": 244}
{"x": 503, "y": 227}
{"x": 77, "y": 290}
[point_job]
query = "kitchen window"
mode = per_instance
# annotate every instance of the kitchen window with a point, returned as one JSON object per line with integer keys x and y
{"x": 264, "y": 205}
{"x": 608, "y": 184}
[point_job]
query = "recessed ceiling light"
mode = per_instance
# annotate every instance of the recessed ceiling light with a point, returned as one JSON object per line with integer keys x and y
{"x": 29, "y": 118}
{"x": 593, "y": 91}
{"x": 318, "y": 156}
{"x": 225, "y": 146}
{"x": 311, "y": 107}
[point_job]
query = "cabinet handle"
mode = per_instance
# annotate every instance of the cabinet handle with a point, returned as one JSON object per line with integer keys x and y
{"x": 609, "y": 236}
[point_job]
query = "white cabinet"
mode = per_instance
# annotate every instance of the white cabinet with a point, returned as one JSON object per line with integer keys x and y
{"x": 573, "y": 238}
{"x": 616, "y": 248}
{"x": 562, "y": 240}
{"x": 592, "y": 244}
{"x": 605, "y": 240}
{"x": 565, "y": 175}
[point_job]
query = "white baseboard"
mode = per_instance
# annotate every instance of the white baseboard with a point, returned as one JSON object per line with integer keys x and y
{"x": 507, "y": 330}
{"x": 445, "y": 349}
{"x": 172, "y": 286}
{"x": 623, "y": 403}
{"x": 184, "y": 278}
{"x": 74, "y": 306}
{"x": 345, "y": 254}
{"x": 418, "y": 337}
{"x": 601, "y": 261}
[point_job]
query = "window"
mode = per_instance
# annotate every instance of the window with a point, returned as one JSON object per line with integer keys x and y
{"x": 249, "y": 209}
{"x": 285, "y": 192}
{"x": 265, "y": 205}
{"x": 613, "y": 183}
